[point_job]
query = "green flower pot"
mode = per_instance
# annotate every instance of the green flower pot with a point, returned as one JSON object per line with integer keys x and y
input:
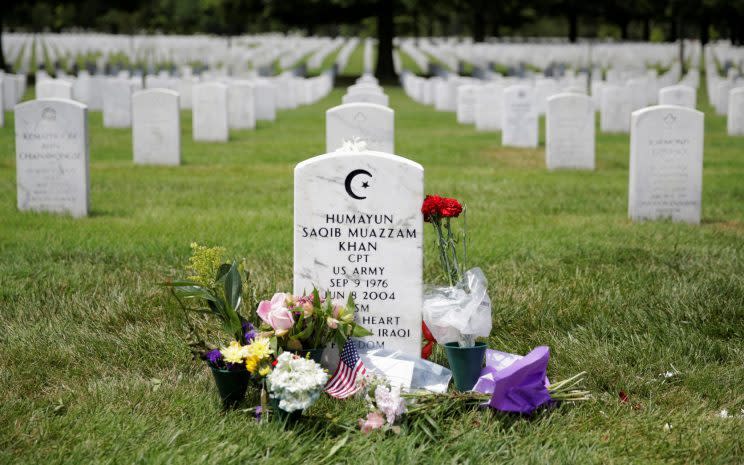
{"x": 231, "y": 385}
{"x": 315, "y": 354}
{"x": 277, "y": 414}
{"x": 466, "y": 363}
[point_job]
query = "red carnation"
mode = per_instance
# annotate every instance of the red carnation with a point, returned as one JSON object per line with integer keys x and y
{"x": 430, "y": 341}
{"x": 450, "y": 208}
{"x": 431, "y": 207}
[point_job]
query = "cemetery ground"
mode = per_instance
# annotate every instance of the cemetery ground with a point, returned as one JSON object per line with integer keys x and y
{"x": 94, "y": 367}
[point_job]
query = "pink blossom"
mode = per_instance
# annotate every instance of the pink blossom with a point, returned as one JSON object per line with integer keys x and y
{"x": 276, "y": 314}
{"x": 373, "y": 421}
{"x": 390, "y": 402}
{"x": 332, "y": 322}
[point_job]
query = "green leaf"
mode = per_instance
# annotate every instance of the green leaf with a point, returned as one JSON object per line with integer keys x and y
{"x": 360, "y": 331}
{"x": 305, "y": 333}
{"x": 222, "y": 271}
{"x": 233, "y": 287}
{"x": 180, "y": 283}
{"x": 273, "y": 343}
{"x": 337, "y": 446}
{"x": 188, "y": 292}
{"x": 340, "y": 340}
{"x": 316, "y": 298}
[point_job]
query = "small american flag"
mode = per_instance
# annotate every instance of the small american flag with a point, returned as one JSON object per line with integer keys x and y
{"x": 343, "y": 383}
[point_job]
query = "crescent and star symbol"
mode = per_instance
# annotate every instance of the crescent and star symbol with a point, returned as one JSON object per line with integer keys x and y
{"x": 349, "y": 180}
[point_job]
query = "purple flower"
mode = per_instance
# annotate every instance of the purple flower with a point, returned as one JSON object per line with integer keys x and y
{"x": 249, "y": 331}
{"x": 259, "y": 411}
{"x": 516, "y": 384}
{"x": 214, "y": 357}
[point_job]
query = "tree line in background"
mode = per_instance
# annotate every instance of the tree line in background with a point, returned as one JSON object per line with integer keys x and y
{"x": 656, "y": 20}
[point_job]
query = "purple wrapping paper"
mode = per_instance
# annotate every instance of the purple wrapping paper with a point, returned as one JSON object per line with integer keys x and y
{"x": 516, "y": 384}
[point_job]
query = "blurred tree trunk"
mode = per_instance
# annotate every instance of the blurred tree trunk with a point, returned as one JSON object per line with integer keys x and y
{"x": 2, "y": 54}
{"x": 479, "y": 22}
{"x": 623, "y": 24}
{"x": 573, "y": 25}
{"x": 704, "y": 28}
{"x": 385, "y": 70}
{"x": 646, "y": 29}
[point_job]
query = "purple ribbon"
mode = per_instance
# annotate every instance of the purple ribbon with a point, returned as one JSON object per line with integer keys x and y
{"x": 516, "y": 384}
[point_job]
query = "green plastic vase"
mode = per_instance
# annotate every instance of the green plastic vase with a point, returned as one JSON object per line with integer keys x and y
{"x": 231, "y": 385}
{"x": 466, "y": 363}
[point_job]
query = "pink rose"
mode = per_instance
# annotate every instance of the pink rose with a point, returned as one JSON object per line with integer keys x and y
{"x": 332, "y": 322}
{"x": 276, "y": 314}
{"x": 373, "y": 421}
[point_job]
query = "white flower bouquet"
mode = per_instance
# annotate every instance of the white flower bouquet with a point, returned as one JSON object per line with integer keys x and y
{"x": 296, "y": 382}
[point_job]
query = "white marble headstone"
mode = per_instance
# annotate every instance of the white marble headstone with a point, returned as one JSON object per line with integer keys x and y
{"x": 374, "y": 124}
{"x": 666, "y": 164}
{"x": 156, "y": 127}
{"x": 95, "y": 97}
{"x": 358, "y": 230}
{"x": 615, "y": 110}
{"x": 265, "y": 97}
{"x": 53, "y": 88}
{"x": 519, "y": 119}
{"x": 52, "y": 156}
{"x": 489, "y": 107}
{"x": 735, "y": 118}
{"x": 10, "y": 92}
{"x": 117, "y": 104}
{"x": 467, "y": 96}
{"x": 569, "y": 132}
{"x": 210, "y": 112}
{"x": 185, "y": 89}
{"x": 681, "y": 95}
{"x": 241, "y": 107}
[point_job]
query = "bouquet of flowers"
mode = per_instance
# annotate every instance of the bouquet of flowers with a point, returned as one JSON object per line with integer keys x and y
{"x": 216, "y": 289}
{"x": 296, "y": 382}
{"x": 309, "y": 322}
{"x": 460, "y": 311}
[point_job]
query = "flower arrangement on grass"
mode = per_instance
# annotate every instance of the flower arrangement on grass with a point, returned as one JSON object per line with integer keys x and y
{"x": 309, "y": 322}
{"x": 296, "y": 382}
{"x": 215, "y": 287}
{"x": 456, "y": 314}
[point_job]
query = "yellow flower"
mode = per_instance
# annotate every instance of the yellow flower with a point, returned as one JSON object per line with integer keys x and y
{"x": 234, "y": 353}
{"x": 251, "y": 363}
{"x": 260, "y": 348}
{"x": 265, "y": 370}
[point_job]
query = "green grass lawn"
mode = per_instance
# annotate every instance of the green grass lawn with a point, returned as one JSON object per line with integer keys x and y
{"x": 94, "y": 368}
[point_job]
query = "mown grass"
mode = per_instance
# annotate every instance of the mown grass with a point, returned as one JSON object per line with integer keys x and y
{"x": 94, "y": 368}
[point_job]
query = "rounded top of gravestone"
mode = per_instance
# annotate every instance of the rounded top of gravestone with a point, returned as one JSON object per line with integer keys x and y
{"x": 155, "y": 91}
{"x": 671, "y": 112}
{"x": 569, "y": 96}
{"x": 51, "y": 100}
{"x": 360, "y": 106}
{"x": 371, "y": 154}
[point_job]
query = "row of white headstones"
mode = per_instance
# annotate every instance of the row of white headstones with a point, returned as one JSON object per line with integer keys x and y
{"x": 52, "y": 144}
{"x": 666, "y": 147}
